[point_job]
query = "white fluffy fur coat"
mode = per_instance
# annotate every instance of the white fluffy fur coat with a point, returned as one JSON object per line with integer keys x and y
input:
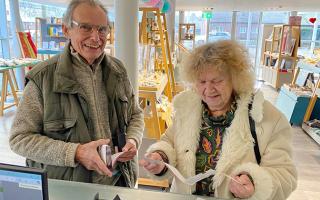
{"x": 275, "y": 178}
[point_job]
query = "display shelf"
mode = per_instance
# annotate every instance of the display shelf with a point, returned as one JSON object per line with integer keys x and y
{"x": 314, "y": 133}
{"x": 49, "y": 35}
{"x": 293, "y": 104}
{"x": 279, "y": 55}
{"x": 158, "y": 85}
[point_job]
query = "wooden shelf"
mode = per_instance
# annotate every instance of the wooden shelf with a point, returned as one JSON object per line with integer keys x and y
{"x": 159, "y": 88}
{"x": 276, "y": 57}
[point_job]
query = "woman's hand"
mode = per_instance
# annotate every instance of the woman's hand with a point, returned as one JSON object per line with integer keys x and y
{"x": 153, "y": 163}
{"x": 241, "y": 186}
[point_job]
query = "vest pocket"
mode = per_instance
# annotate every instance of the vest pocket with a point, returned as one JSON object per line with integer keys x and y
{"x": 124, "y": 108}
{"x": 60, "y": 129}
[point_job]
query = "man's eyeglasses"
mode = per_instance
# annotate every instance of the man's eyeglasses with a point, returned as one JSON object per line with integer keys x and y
{"x": 88, "y": 28}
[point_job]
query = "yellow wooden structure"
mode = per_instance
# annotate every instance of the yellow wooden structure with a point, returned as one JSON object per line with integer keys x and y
{"x": 153, "y": 34}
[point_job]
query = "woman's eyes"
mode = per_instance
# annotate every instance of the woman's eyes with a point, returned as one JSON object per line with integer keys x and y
{"x": 214, "y": 81}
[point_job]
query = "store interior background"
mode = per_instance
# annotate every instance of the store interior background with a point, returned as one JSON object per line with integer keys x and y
{"x": 247, "y": 16}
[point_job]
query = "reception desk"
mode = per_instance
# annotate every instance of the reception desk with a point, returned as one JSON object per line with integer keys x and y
{"x": 65, "y": 190}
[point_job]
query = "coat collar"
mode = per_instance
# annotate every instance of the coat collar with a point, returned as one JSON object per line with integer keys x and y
{"x": 237, "y": 140}
{"x": 64, "y": 79}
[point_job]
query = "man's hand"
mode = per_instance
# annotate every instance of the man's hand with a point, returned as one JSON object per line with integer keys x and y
{"x": 153, "y": 167}
{"x": 88, "y": 156}
{"x": 241, "y": 186}
{"x": 130, "y": 151}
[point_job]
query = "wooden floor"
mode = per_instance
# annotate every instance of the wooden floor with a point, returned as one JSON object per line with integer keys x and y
{"x": 306, "y": 154}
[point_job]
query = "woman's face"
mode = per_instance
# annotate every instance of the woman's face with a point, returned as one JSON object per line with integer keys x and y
{"x": 215, "y": 88}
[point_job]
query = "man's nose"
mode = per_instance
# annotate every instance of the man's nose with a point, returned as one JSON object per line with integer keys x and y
{"x": 95, "y": 34}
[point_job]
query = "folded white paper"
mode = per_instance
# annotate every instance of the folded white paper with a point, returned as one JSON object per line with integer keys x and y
{"x": 189, "y": 181}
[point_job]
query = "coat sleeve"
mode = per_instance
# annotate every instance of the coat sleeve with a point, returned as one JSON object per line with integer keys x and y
{"x": 26, "y": 138}
{"x": 136, "y": 122}
{"x": 276, "y": 177}
{"x": 166, "y": 145}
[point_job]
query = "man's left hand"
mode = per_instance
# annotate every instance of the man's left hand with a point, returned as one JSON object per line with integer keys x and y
{"x": 130, "y": 150}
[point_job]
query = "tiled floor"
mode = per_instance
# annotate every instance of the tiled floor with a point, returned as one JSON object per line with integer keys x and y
{"x": 306, "y": 154}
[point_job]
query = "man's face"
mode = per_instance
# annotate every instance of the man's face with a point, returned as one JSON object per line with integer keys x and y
{"x": 87, "y": 41}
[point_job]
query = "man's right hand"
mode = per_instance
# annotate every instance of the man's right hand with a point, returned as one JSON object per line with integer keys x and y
{"x": 88, "y": 156}
{"x": 152, "y": 163}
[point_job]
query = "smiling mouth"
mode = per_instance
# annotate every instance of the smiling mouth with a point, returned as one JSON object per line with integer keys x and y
{"x": 213, "y": 96}
{"x": 92, "y": 46}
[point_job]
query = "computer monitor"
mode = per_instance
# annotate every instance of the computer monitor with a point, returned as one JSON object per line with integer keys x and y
{"x": 22, "y": 183}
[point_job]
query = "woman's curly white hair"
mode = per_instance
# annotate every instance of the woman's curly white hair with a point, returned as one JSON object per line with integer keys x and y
{"x": 226, "y": 55}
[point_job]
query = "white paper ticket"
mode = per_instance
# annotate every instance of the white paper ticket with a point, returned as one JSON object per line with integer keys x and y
{"x": 189, "y": 181}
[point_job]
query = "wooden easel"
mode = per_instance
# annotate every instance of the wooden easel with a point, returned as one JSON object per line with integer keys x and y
{"x": 154, "y": 35}
{"x": 154, "y": 32}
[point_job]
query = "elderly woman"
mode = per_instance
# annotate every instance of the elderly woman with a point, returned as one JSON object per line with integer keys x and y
{"x": 211, "y": 130}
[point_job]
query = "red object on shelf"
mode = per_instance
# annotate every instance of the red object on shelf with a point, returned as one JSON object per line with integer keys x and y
{"x": 312, "y": 19}
{"x": 283, "y": 70}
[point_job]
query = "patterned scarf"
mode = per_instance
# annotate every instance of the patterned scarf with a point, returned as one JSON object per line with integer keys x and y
{"x": 210, "y": 143}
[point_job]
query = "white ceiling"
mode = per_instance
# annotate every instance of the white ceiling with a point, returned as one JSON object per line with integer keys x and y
{"x": 226, "y": 5}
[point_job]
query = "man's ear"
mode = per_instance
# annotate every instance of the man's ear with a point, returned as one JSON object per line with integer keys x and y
{"x": 65, "y": 30}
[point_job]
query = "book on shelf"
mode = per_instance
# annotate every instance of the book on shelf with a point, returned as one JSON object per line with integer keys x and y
{"x": 273, "y": 61}
{"x": 286, "y": 64}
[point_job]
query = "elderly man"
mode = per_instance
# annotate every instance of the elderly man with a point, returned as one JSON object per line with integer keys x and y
{"x": 78, "y": 101}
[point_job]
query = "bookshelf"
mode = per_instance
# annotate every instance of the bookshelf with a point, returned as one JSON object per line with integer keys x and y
{"x": 49, "y": 33}
{"x": 280, "y": 55}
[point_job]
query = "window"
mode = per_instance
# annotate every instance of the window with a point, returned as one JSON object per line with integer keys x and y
{"x": 29, "y": 11}
{"x": 1, "y": 55}
{"x": 220, "y": 26}
{"x": 196, "y": 17}
{"x": 4, "y": 37}
{"x": 275, "y": 17}
{"x": 310, "y": 35}
{"x": 243, "y": 29}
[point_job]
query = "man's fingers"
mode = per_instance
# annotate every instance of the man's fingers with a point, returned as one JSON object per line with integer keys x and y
{"x": 129, "y": 147}
{"x": 104, "y": 169}
{"x": 101, "y": 142}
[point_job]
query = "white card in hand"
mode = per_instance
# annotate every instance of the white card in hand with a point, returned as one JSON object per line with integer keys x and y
{"x": 191, "y": 180}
